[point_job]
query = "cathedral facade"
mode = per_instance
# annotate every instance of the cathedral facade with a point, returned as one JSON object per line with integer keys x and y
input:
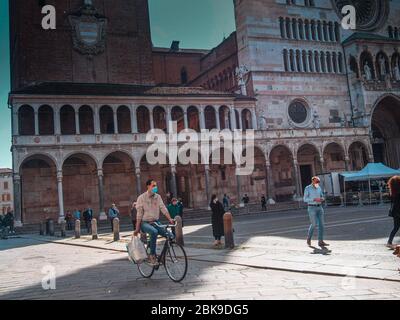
{"x": 319, "y": 98}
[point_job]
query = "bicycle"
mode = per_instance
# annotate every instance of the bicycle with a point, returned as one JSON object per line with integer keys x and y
{"x": 173, "y": 257}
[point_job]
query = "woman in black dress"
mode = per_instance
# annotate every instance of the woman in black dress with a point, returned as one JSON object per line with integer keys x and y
{"x": 394, "y": 187}
{"x": 217, "y": 219}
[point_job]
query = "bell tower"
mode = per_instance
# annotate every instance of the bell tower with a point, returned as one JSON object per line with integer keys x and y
{"x": 94, "y": 41}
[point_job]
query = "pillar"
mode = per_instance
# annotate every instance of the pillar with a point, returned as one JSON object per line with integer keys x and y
{"x": 61, "y": 216}
{"x": 134, "y": 120}
{"x": 15, "y": 123}
{"x": 151, "y": 118}
{"x": 270, "y": 183}
{"x": 233, "y": 118}
{"x": 77, "y": 128}
{"x": 36, "y": 123}
{"x": 296, "y": 177}
{"x": 202, "y": 119}
{"x": 240, "y": 120}
{"x": 217, "y": 119}
{"x": 138, "y": 182}
{"x": 115, "y": 121}
{"x": 57, "y": 124}
{"x": 169, "y": 119}
{"x": 17, "y": 200}
{"x": 96, "y": 120}
{"x": 238, "y": 186}
{"x": 322, "y": 161}
{"x": 347, "y": 163}
{"x": 173, "y": 181}
{"x": 207, "y": 180}
{"x": 102, "y": 215}
{"x": 185, "y": 119}
{"x": 254, "y": 118}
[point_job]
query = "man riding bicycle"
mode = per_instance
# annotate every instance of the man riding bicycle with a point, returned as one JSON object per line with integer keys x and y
{"x": 148, "y": 207}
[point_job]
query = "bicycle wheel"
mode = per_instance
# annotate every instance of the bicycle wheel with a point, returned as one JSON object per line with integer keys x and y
{"x": 175, "y": 262}
{"x": 145, "y": 269}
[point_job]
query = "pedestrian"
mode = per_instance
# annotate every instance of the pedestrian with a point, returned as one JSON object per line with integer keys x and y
{"x": 148, "y": 206}
{"x": 77, "y": 214}
{"x": 314, "y": 198}
{"x": 68, "y": 220}
{"x": 133, "y": 214}
{"x": 88, "y": 216}
{"x": 174, "y": 210}
{"x": 225, "y": 202}
{"x": 263, "y": 203}
{"x": 10, "y": 221}
{"x": 113, "y": 213}
{"x": 246, "y": 201}
{"x": 217, "y": 219}
{"x": 394, "y": 191}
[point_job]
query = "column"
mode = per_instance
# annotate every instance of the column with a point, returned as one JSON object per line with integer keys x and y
{"x": 297, "y": 27}
{"x": 133, "y": 119}
{"x": 173, "y": 181}
{"x": 312, "y": 65}
{"x": 138, "y": 182}
{"x": 322, "y": 161}
{"x": 217, "y": 119}
{"x": 36, "y": 123}
{"x": 296, "y": 177}
{"x": 233, "y": 118}
{"x": 254, "y": 118}
{"x": 240, "y": 120}
{"x": 57, "y": 124}
{"x": 61, "y": 216}
{"x": 17, "y": 200}
{"x": 115, "y": 121}
{"x": 77, "y": 128}
{"x": 151, "y": 114}
{"x": 169, "y": 119}
{"x": 96, "y": 120}
{"x": 202, "y": 118}
{"x": 185, "y": 119}
{"x": 307, "y": 62}
{"x": 284, "y": 29}
{"x": 295, "y": 62}
{"x": 238, "y": 186}
{"x": 15, "y": 123}
{"x": 102, "y": 215}
{"x": 347, "y": 163}
{"x": 207, "y": 180}
{"x": 269, "y": 183}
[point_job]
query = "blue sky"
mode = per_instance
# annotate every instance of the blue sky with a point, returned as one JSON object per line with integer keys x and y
{"x": 197, "y": 24}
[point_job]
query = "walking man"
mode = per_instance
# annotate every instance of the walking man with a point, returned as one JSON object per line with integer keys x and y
{"x": 148, "y": 206}
{"x": 88, "y": 216}
{"x": 225, "y": 202}
{"x": 263, "y": 203}
{"x": 314, "y": 198}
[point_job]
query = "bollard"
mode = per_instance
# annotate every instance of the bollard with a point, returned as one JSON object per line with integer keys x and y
{"x": 51, "y": 227}
{"x": 360, "y": 202}
{"x": 63, "y": 232}
{"x": 42, "y": 229}
{"x": 179, "y": 231}
{"x": 228, "y": 231}
{"x": 94, "y": 230}
{"x": 341, "y": 201}
{"x": 77, "y": 229}
{"x": 116, "y": 229}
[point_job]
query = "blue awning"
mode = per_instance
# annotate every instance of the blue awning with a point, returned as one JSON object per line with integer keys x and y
{"x": 372, "y": 171}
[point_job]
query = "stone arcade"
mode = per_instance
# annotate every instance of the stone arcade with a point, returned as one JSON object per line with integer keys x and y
{"x": 82, "y": 103}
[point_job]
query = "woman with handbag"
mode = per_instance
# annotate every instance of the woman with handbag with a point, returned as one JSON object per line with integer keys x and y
{"x": 394, "y": 188}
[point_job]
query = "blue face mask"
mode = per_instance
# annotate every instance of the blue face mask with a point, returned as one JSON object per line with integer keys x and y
{"x": 154, "y": 190}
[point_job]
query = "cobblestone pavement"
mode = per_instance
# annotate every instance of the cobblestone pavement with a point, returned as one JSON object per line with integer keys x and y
{"x": 88, "y": 273}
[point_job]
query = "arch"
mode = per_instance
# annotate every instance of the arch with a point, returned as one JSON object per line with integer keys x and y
{"x": 334, "y": 157}
{"x": 42, "y": 156}
{"x": 119, "y": 181}
{"x": 67, "y": 120}
{"x": 382, "y": 65}
{"x": 143, "y": 119}
{"x": 309, "y": 161}
{"x": 307, "y": 29}
{"x": 193, "y": 118}
{"x": 282, "y": 171}
{"x": 107, "y": 120}
{"x": 80, "y": 182}
{"x": 210, "y": 118}
{"x": 313, "y": 30}
{"x": 385, "y": 128}
{"x": 85, "y": 154}
{"x": 26, "y": 120}
{"x": 282, "y": 27}
{"x": 178, "y": 115}
{"x": 224, "y": 118}
{"x": 124, "y": 120}
{"x": 46, "y": 120}
{"x": 288, "y": 29}
{"x": 294, "y": 28}
{"x": 247, "y": 119}
{"x": 395, "y": 66}
{"x": 366, "y": 59}
{"x": 160, "y": 118}
{"x": 301, "y": 29}
{"x": 358, "y": 155}
{"x": 86, "y": 120}
{"x": 39, "y": 187}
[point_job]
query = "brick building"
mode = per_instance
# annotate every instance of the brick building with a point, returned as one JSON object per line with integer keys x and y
{"x": 6, "y": 191}
{"x": 85, "y": 95}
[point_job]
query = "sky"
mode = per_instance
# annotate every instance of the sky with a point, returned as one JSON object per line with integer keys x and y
{"x": 197, "y": 24}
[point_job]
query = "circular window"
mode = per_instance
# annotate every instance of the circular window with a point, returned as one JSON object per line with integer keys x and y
{"x": 298, "y": 112}
{"x": 370, "y": 13}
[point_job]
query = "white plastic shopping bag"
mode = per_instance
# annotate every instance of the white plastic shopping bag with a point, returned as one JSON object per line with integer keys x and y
{"x": 137, "y": 252}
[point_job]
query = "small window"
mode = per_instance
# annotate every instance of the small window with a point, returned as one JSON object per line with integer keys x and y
{"x": 6, "y": 185}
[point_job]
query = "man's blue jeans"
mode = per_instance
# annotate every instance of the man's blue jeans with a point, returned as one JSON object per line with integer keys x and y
{"x": 316, "y": 215}
{"x": 154, "y": 230}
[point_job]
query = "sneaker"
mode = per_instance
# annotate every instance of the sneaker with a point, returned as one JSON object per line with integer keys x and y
{"x": 309, "y": 242}
{"x": 391, "y": 246}
{"x": 323, "y": 244}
